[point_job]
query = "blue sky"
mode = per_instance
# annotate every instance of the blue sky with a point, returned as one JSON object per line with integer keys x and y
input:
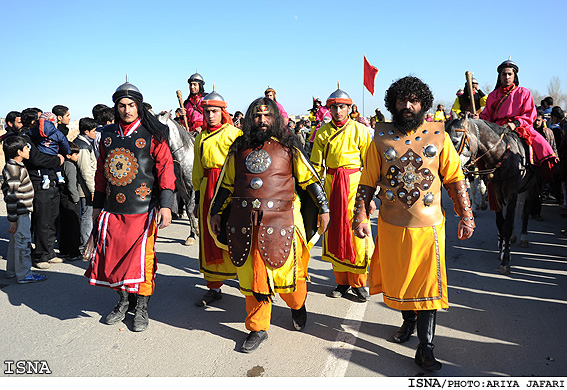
{"x": 76, "y": 53}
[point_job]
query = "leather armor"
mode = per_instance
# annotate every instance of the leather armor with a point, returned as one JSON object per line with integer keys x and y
{"x": 263, "y": 197}
{"x": 409, "y": 183}
{"x": 128, "y": 169}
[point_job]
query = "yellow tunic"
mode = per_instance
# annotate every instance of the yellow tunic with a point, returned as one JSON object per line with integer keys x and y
{"x": 408, "y": 264}
{"x": 211, "y": 150}
{"x": 345, "y": 147}
{"x": 284, "y": 279}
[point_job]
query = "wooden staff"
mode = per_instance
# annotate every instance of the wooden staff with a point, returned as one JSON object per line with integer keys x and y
{"x": 180, "y": 98}
{"x": 468, "y": 76}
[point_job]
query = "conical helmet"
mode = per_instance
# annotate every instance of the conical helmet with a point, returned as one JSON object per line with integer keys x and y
{"x": 508, "y": 64}
{"x": 214, "y": 99}
{"x": 339, "y": 97}
{"x": 196, "y": 77}
{"x": 127, "y": 90}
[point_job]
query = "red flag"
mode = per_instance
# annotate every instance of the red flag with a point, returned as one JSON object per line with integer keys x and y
{"x": 370, "y": 73}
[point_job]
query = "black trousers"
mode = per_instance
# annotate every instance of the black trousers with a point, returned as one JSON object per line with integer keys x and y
{"x": 69, "y": 227}
{"x": 44, "y": 219}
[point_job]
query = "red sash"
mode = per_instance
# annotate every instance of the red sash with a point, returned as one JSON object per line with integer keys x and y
{"x": 339, "y": 238}
{"x": 213, "y": 254}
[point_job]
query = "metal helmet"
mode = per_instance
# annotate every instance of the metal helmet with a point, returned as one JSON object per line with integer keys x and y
{"x": 196, "y": 77}
{"x": 339, "y": 97}
{"x": 127, "y": 90}
{"x": 508, "y": 64}
{"x": 214, "y": 99}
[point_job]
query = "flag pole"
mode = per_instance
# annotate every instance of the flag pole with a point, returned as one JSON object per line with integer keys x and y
{"x": 363, "y": 86}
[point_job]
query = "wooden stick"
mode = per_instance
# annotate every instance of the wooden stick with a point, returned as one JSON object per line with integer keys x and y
{"x": 468, "y": 76}
{"x": 180, "y": 98}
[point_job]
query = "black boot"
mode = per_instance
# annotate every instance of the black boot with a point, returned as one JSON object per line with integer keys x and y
{"x": 119, "y": 311}
{"x": 405, "y": 331}
{"x": 425, "y": 332}
{"x": 141, "y": 320}
{"x": 253, "y": 341}
{"x": 132, "y": 299}
{"x": 299, "y": 317}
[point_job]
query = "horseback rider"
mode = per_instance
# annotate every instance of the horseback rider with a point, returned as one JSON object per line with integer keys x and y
{"x": 192, "y": 105}
{"x": 513, "y": 106}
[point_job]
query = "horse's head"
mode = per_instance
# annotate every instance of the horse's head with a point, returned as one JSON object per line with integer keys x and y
{"x": 459, "y": 132}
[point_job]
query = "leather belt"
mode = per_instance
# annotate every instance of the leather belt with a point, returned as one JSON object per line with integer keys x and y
{"x": 261, "y": 204}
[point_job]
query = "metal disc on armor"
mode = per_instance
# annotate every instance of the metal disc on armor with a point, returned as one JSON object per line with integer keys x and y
{"x": 390, "y": 154}
{"x": 256, "y": 203}
{"x": 430, "y": 151}
{"x": 390, "y": 195}
{"x": 256, "y": 183}
{"x": 428, "y": 199}
{"x": 258, "y": 161}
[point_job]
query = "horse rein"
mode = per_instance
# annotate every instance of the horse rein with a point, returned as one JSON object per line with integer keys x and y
{"x": 466, "y": 142}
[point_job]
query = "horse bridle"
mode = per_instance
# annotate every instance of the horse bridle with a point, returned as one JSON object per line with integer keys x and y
{"x": 466, "y": 142}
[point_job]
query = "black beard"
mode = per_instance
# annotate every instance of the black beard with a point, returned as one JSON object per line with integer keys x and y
{"x": 408, "y": 123}
{"x": 260, "y": 135}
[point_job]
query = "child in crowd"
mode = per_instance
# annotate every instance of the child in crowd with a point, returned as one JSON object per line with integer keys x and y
{"x": 69, "y": 213}
{"x": 18, "y": 195}
{"x": 49, "y": 140}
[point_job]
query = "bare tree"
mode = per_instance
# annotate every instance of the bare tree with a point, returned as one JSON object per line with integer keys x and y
{"x": 554, "y": 90}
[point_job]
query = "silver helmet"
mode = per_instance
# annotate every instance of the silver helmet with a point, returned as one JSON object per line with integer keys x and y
{"x": 339, "y": 96}
{"x": 127, "y": 90}
{"x": 196, "y": 77}
{"x": 214, "y": 99}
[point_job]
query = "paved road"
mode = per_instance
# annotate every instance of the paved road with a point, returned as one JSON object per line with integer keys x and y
{"x": 496, "y": 325}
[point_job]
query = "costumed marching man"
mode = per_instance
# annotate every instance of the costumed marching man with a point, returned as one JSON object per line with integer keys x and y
{"x": 211, "y": 149}
{"x": 338, "y": 156}
{"x": 193, "y": 110}
{"x": 134, "y": 185}
{"x": 264, "y": 229}
{"x": 409, "y": 160}
{"x": 513, "y": 106}
{"x": 463, "y": 104}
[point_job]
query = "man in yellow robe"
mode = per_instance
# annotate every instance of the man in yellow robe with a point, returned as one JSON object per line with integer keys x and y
{"x": 409, "y": 160}
{"x": 338, "y": 156}
{"x": 211, "y": 149}
{"x": 264, "y": 232}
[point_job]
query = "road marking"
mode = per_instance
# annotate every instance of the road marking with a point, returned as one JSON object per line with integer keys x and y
{"x": 341, "y": 350}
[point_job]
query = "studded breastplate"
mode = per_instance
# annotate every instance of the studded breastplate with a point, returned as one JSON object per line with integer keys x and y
{"x": 263, "y": 196}
{"x": 410, "y": 187}
{"x": 128, "y": 168}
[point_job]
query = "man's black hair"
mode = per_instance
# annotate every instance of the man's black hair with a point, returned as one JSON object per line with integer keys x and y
{"x": 252, "y": 138}
{"x": 29, "y": 115}
{"x": 539, "y": 112}
{"x": 98, "y": 109}
{"x": 557, "y": 112}
{"x": 12, "y": 115}
{"x": 87, "y": 124}
{"x": 12, "y": 145}
{"x": 74, "y": 148}
{"x": 409, "y": 87}
{"x": 105, "y": 116}
{"x": 59, "y": 110}
{"x": 549, "y": 101}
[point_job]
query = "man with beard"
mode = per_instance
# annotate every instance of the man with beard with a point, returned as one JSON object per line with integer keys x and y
{"x": 340, "y": 148}
{"x": 264, "y": 231}
{"x": 410, "y": 159}
{"x": 512, "y": 106}
{"x": 134, "y": 184}
{"x": 193, "y": 110}
{"x": 211, "y": 149}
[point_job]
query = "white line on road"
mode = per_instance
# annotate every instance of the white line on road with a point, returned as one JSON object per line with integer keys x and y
{"x": 341, "y": 350}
